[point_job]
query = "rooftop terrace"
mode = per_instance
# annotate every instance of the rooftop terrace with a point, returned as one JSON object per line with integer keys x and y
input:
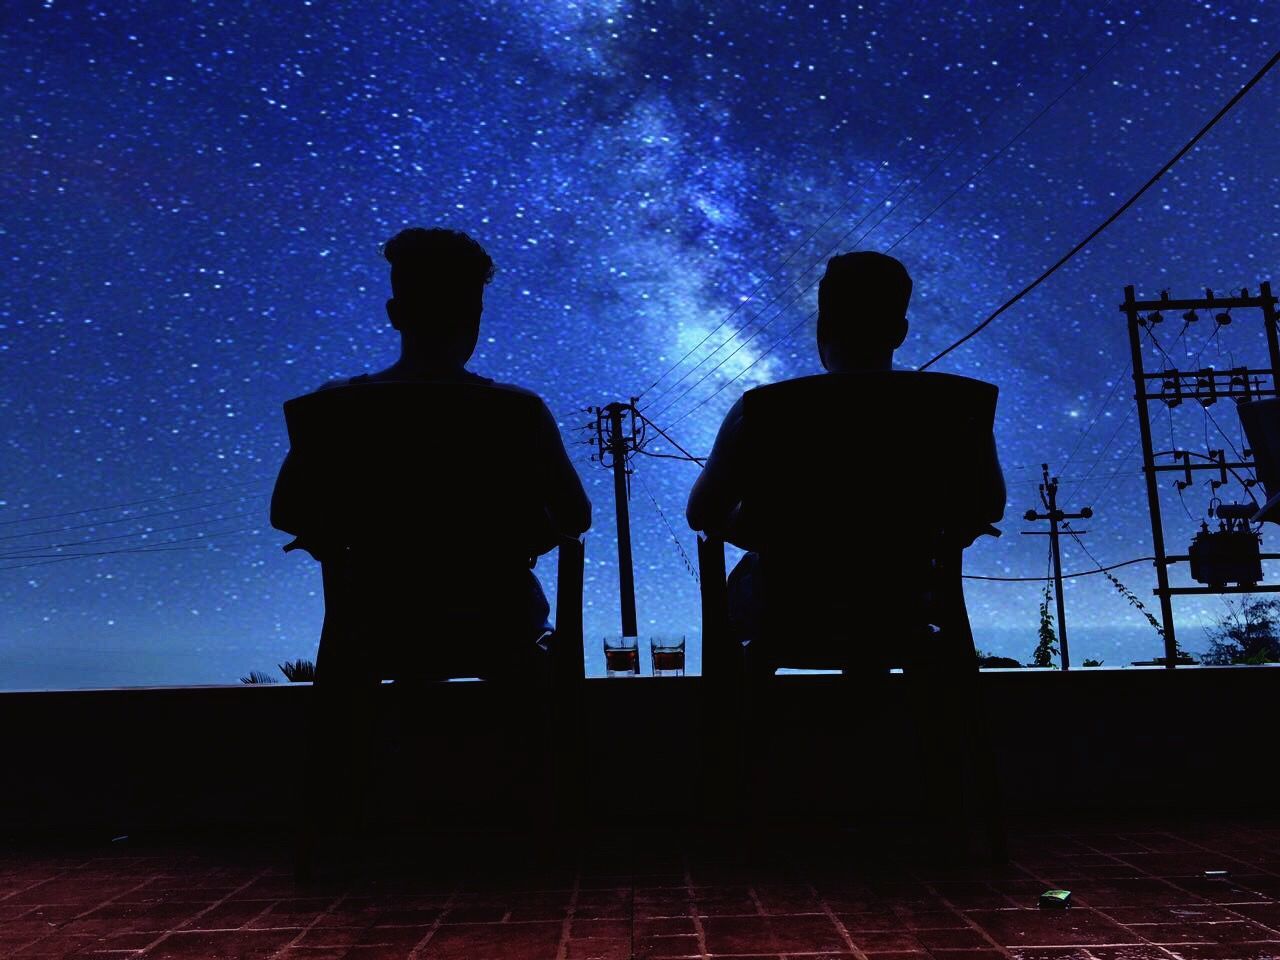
{"x": 158, "y": 823}
{"x": 1139, "y": 892}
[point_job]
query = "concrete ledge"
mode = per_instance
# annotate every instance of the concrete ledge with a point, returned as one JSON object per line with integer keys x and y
{"x": 1094, "y": 740}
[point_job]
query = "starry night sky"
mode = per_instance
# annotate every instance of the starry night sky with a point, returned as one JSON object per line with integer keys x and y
{"x": 195, "y": 197}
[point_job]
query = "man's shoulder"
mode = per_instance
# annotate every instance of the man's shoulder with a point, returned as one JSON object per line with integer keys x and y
{"x": 515, "y": 388}
{"x": 330, "y": 384}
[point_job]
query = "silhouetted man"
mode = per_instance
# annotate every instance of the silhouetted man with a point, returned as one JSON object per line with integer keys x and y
{"x": 437, "y": 280}
{"x": 862, "y": 307}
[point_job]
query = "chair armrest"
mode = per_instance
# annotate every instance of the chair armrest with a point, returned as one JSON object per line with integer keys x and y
{"x": 570, "y": 565}
{"x": 720, "y": 655}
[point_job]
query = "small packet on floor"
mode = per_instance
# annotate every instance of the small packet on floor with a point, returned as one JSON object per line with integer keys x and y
{"x": 1055, "y": 899}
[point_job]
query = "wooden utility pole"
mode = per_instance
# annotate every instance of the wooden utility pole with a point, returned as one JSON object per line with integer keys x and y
{"x": 620, "y": 444}
{"x": 1049, "y": 496}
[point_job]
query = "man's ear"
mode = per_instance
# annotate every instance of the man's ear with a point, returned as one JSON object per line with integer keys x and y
{"x": 393, "y": 312}
{"x": 900, "y": 334}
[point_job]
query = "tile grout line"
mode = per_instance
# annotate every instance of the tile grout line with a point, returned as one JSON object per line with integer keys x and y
{"x": 217, "y": 903}
{"x": 1163, "y": 952}
{"x": 57, "y": 927}
{"x": 415, "y": 950}
{"x": 566, "y": 925}
{"x": 856, "y": 950}
{"x": 699, "y": 930}
{"x": 306, "y": 929}
{"x": 969, "y": 920}
{"x": 1172, "y": 881}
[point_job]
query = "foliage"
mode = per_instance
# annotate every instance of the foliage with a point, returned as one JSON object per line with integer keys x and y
{"x": 257, "y": 676}
{"x": 992, "y": 660}
{"x": 1092, "y": 663}
{"x": 298, "y": 671}
{"x": 1047, "y": 647}
{"x": 1246, "y": 633}
{"x": 1180, "y": 655}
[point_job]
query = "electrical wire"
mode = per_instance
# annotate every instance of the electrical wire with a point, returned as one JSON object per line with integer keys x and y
{"x": 140, "y": 516}
{"x": 778, "y": 296}
{"x": 701, "y": 461}
{"x": 163, "y": 546}
{"x": 1168, "y": 165}
{"x": 1096, "y": 416}
{"x": 1017, "y": 136}
{"x": 822, "y": 256}
{"x": 130, "y": 503}
{"x": 136, "y": 533}
{"x": 684, "y": 556}
{"x": 792, "y": 330}
{"x": 756, "y": 289}
{"x": 894, "y": 208}
{"x": 1065, "y": 576}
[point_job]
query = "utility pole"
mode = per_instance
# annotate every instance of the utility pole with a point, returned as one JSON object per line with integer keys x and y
{"x": 611, "y": 438}
{"x": 1049, "y": 497}
{"x": 1207, "y": 385}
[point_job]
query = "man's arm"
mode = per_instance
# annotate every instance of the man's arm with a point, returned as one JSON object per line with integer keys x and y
{"x": 983, "y": 492}
{"x": 994, "y": 496}
{"x": 563, "y": 497}
{"x": 286, "y": 512}
{"x": 716, "y": 496}
{"x": 288, "y": 500}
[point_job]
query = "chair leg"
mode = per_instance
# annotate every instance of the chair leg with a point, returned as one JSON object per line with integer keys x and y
{"x": 335, "y": 775}
{"x": 989, "y": 794}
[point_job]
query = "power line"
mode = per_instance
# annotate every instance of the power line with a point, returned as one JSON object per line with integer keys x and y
{"x": 1097, "y": 415}
{"x": 1133, "y": 474}
{"x": 776, "y": 344}
{"x": 1125, "y": 419}
{"x": 1036, "y": 467}
{"x": 684, "y": 557}
{"x": 843, "y": 205}
{"x": 996, "y": 155}
{"x": 893, "y": 207}
{"x": 698, "y": 460}
{"x": 778, "y": 296}
{"x": 140, "y": 516}
{"x": 805, "y": 242}
{"x": 1252, "y": 82}
{"x": 135, "y": 533}
{"x": 1065, "y": 576}
{"x": 1029, "y": 124}
{"x": 669, "y": 456}
{"x": 130, "y": 503}
{"x": 161, "y": 547}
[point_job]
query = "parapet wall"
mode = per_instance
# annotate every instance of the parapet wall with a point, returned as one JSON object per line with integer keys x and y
{"x": 1189, "y": 740}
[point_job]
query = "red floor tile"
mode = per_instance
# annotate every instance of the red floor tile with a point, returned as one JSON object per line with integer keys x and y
{"x": 966, "y": 938}
{"x": 512, "y": 941}
{"x": 221, "y": 945}
{"x": 1045, "y": 928}
{"x": 1140, "y": 895}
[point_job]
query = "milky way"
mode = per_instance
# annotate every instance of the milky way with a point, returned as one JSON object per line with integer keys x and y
{"x": 195, "y": 197}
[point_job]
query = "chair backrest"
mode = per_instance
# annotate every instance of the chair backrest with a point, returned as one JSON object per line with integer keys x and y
{"x": 1261, "y": 422}
{"x": 435, "y": 469}
{"x": 852, "y": 481}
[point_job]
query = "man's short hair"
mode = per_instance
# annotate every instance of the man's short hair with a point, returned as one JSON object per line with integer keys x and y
{"x": 862, "y": 298}
{"x": 436, "y": 264}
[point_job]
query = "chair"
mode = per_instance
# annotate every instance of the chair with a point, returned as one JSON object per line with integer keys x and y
{"x": 854, "y": 484}
{"x": 1261, "y": 422}
{"x": 411, "y": 494}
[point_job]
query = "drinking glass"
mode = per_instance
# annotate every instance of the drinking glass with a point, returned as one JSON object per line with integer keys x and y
{"x": 621, "y": 656}
{"x": 667, "y": 652}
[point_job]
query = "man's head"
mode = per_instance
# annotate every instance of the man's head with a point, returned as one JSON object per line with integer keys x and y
{"x": 862, "y": 310}
{"x": 437, "y": 285}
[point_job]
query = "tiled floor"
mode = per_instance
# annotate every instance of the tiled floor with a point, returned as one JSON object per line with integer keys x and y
{"x": 1139, "y": 891}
